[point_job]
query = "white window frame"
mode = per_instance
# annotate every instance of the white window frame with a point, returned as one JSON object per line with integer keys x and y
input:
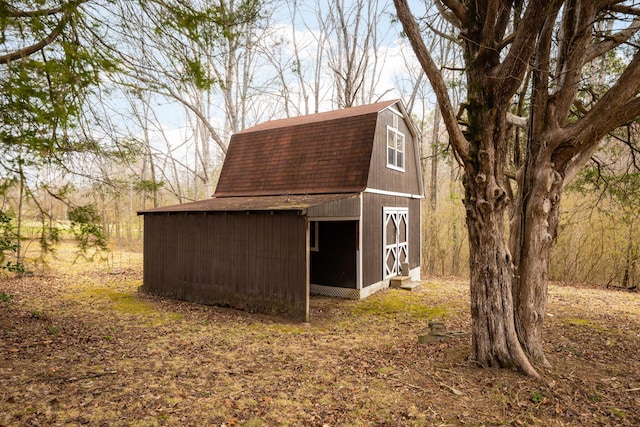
{"x": 314, "y": 226}
{"x": 395, "y": 142}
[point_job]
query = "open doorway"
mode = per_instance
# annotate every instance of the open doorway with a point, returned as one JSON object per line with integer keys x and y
{"x": 333, "y": 247}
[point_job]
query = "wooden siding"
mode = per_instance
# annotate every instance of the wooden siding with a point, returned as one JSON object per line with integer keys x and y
{"x": 372, "y": 233}
{"x": 383, "y": 178}
{"x": 254, "y": 261}
{"x": 349, "y": 207}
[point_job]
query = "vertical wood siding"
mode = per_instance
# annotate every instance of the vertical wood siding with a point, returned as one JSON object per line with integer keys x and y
{"x": 349, "y": 207}
{"x": 372, "y": 206}
{"x": 255, "y": 261}
{"x": 383, "y": 178}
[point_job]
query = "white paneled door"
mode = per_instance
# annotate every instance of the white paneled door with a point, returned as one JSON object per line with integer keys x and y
{"x": 395, "y": 236}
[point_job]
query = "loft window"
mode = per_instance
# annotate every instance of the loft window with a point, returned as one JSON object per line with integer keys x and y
{"x": 395, "y": 149}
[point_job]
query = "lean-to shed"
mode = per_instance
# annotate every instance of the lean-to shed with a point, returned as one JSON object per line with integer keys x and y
{"x": 325, "y": 203}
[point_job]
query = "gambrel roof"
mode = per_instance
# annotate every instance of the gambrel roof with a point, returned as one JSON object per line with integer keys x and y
{"x": 324, "y": 153}
{"x": 296, "y": 163}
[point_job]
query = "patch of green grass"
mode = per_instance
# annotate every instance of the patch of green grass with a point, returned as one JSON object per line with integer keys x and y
{"x": 386, "y": 370}
{"x": 132, "y": 304}
{"x": 396, "y": 304}
{"x": 578, "y": 321}
{"x": 132, "y": 284}
{"x": 618, "y": 412}
{"x": 254, "y": 422}
{"x": 287, "y": 328}
{"x": 536, "y": 397}
{"x": 5, "y": 298}
{"x": 595, "y": 397}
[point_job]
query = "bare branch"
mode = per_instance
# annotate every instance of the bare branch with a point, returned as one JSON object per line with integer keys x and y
{"x": 613, "y": 41}
{"x": 443, "y": 34}
{"x": 576, "y": 164}
{"x": 454, "y": 12}
{"x": 456, "y": 138}
{"x": 11, "y": 11}
{"x": 628, "y": 10}
{"x": 200, "y": 115}
{"x": 521, "y": 122}
{"x": 510, "y": 72}
{"x": 600, "y": 120}
{"x": 506, "y": 41}
{"x": 576, "y": 35}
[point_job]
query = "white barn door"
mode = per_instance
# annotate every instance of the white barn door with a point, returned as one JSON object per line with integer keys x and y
{"x": 395, "y": 240}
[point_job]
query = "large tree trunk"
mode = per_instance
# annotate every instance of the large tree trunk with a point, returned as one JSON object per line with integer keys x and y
{"x": 494, "y": 338}
{"x": 534, "y": 231}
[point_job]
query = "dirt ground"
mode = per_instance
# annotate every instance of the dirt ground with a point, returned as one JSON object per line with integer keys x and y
{"x": 80, "y": 346}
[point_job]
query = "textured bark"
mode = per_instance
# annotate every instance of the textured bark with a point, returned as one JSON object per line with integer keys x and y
{"x": 494, "y": 339}
{"x": 493, "y": 333}
{"x": 433, "y": 181}
{"x": 533, "y": 234}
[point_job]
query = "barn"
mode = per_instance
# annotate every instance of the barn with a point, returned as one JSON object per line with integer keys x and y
{"x": 326, "y": 203}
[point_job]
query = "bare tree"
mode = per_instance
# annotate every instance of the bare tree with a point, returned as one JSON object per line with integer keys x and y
{"x": 307, "y": 74}
{"x": 353, "y": 53}
{"x": 202, "y": 56}
{"x": 499, "y": 40}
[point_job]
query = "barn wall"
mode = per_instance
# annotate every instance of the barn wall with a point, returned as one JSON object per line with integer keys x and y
{"x": 372, "y": 266}
{"x": 349, "y": 207}
{"x": 383, "y": 178}
{"x": 254, "y": 261}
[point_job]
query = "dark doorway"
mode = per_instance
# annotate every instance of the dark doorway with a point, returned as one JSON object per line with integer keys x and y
{"x": 333, "y": 257}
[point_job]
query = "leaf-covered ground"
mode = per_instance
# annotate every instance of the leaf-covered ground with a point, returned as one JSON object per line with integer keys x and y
{"x": 80, "y": 346}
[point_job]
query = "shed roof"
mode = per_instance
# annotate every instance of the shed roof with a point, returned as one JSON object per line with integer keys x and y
{"x": 313, "y": 154}
{"x": 260, "y": 203}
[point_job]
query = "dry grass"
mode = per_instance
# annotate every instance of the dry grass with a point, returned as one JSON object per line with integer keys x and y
{"x": 80, "y": 346}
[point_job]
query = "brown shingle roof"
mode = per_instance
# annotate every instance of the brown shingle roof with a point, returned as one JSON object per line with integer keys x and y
{"x": 313, "y": 154}
{"x": 260, "y": 203}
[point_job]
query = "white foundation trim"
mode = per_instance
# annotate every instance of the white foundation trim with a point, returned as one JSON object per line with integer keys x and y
{"x": 372, "y": 289}
{"x": 414, "y": 273}
{"x": 358, "y": 294}
{"x": 359, "y": 251}
{"x": 348, "y": 293}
